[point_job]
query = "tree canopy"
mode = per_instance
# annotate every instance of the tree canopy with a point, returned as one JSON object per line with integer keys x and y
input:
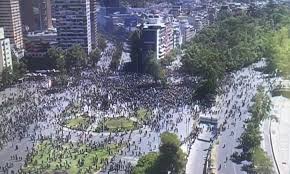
{"x": 146, "y": 164}
{"x": 73, "y": 57}
{"x": 237, "y": 41}
{"x": 169, "y": 159}
{"x": 251, "y": 138}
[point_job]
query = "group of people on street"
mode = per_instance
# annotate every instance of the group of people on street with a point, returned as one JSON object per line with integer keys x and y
{"x": 31, "y": 113}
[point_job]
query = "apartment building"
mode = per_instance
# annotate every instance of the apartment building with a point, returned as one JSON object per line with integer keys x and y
{"x": 10, "y": 20}
{"x": 153, "y": 36}
{"x": 73, "y": 23}
{"x": 5, "y": 51}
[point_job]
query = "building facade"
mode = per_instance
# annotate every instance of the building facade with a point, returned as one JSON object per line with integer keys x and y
{"x": 158, "y": 36}
{"x": 27, "y": 16}
{"x": 110, "y": 3}
{"x": 45, "y": 15}
{"x": 36, "y": 14}
{"x": 5, "y": 52}
{"x": 11, "y": 21}
{"x": 168, "y": 36}
{"x": 73, "y": 23}
{"x": 153, "y": 37}
{"x": 94, "y": 22}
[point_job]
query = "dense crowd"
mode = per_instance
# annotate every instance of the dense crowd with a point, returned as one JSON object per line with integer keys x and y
{"x": 30, "y": 112}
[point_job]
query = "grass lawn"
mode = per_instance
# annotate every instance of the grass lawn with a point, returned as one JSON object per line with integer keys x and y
{"x": 117, "y": 124}
{"x": 81, "y": 122}
{"x": 121, "y": 122}
{"x": 143, "y": 114}
{"x": 72, "y": 158}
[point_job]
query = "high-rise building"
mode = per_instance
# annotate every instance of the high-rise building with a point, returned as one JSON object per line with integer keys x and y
{"x": 153, "y": 37}
{"x": 11, "y": 21}
{"x": 45, "y": 15}
{"x": 94, "y": 22}
{"x": 157, "y": 36}
{"x": 73, "y": 23}
{"x": 5, "y": 51}
{"x": 27, "y": 16}
{"x": 36, "y": 14}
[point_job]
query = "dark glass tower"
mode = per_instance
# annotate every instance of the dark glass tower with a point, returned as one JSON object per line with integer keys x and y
{"x": 111, "y": 3}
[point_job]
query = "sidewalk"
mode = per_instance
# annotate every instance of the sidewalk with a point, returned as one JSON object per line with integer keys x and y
{"x": 280, "y": 133}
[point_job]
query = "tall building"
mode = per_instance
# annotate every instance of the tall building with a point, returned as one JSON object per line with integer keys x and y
{"x": 36, "y": 14}
{"x": 94, "y": 22}
{"x": 27, "y": 16}
{"x": 157, "y": 36}
{"x": 11, "y": 21}
{"x": 168, "y": 36}
{"x": 5, "y": 51}
{"x": 73, "y": 23}
{"x": 45, "y": 15}
{"x": 153, "y": 37}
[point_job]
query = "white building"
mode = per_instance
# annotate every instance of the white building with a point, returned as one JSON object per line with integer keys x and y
{"x": 157, "y": 36}
{"x": 187, "y": 31}
{"x": 5, "y": 52}
{"x": 177, "y": 37}
{"x": 154, "y": 33}
{"x": 73, "y": 23}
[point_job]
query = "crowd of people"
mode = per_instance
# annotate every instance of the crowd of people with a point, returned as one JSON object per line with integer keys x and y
{"x": 30, "y": 114}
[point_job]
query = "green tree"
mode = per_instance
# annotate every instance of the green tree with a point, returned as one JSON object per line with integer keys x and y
{"x": 146, "y": 164}
{"x": 102, "y": 44}
{"x": 7, "y": 77}
{"x": 57, "y": 56}
{"x": 75, "y": 57}
{"x": 19, "y": 68}
{"x": 95, "y": 56}
{"x": 280, "y": 50}
{"x": 251, "y": 137}
{"x": 171, "y": 158}
{"x": 262, "y": 164}
{"x": 261, "y": 107}
{"x": 116, "y": 57}
{"x": 230, "y": 44}
{"x": 153, "y": 68}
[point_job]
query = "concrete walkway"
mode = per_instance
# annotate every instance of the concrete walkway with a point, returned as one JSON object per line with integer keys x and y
{"x": 280, "y": 133}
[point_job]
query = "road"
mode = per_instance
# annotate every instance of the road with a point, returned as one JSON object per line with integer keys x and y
{"x": 198, "y": 152}
{"x": 231, "y": 109}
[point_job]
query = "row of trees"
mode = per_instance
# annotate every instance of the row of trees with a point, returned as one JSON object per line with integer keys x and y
{"x": 251, "y": 138}
{"x": 236, "y": 41}
{"x": 230, "y": 44}
{"x": 170, "y": 158}
{"x": 280, "y": 51}
{"x": 73, "y": 58}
